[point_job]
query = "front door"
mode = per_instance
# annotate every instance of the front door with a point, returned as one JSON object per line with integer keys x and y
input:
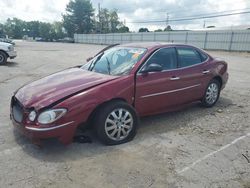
{"x": 155, "y": 90}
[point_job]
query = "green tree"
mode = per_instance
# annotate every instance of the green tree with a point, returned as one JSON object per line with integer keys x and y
{"x": 123, "y": 29}
{"x": 57, "y": 30}
{"x": 108, "y": 21}
{"x": 78, "y": 17}
{"x": 168, "y": 28}
{"x": 32, "y": 29}
{"x": 45, "y": 30}
{"x": 143, "y": 30}
{"x": 103, "y": 25}
{"x": 114, "y": 21}
{"x": 15, "y": 28}
{"x": 1, "y": 30}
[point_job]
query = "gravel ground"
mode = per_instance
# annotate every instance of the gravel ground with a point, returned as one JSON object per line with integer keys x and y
{"x": 194, "y": 147}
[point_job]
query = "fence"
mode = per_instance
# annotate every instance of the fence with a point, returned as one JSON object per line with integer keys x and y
{"x": 237, "y": 40}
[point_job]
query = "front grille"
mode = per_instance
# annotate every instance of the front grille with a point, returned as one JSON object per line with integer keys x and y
{"x": 17, "y": 110}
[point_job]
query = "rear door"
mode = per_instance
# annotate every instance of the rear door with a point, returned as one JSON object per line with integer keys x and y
{"x": 192, "y": 73}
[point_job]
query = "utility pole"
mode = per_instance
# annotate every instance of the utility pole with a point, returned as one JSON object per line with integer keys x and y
{"x": 99, "y": 11}
{"x": 204, "y": 25}
{"x": 167, "y": 20}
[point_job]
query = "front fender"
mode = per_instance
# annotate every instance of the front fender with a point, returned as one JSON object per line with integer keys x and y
{"x": 81, "y": 105}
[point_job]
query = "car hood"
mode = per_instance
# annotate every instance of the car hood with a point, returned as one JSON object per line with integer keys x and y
{"x": 5, "y": 44}
{"x": 50, "y": 89}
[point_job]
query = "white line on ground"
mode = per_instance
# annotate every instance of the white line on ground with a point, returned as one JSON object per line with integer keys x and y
{"x": 212, "y": 153}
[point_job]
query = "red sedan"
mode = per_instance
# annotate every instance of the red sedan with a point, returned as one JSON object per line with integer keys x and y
{"x": 118, "y": 85}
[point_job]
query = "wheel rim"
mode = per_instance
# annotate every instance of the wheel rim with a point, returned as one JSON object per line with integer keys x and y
{"x": 1, "y": 58}
{"x": 119, "y": 124}
{"x": 212, "y": 93}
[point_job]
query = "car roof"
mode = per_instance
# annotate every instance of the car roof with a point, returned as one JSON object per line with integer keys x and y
{"x": 151, "y": 45}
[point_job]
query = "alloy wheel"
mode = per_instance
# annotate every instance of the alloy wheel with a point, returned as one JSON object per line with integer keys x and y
{"x": 212, "y": 93}
{"x": 118, "y": 124}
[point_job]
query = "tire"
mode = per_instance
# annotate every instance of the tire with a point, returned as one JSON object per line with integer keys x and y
{"x": 212, "y": 93}
{"x": 116, "y": 123}
{"x": 3, "y": 58}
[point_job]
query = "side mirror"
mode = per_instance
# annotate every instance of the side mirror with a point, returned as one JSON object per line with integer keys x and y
{"x": 152, "y": 68}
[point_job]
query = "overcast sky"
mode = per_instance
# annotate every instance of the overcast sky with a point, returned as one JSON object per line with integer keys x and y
{"x": 135, "y": 10}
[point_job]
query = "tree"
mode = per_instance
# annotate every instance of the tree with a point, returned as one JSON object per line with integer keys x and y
{"x": 114, "y": 21}
{"x": 123, "y": 29}
{"x": 103, "y": 25}
{"x": 45, "y": 30}
{"x": 57, "y": 30}
{"x": 32, "y": 29}
{"x": 143, "y": 30}
{"x": 78, "y": 17}
{"x": 1, "y": 30}
{"x": 168, "y": 28}
{"x": 15, "y": 28}
{"x": 107, "y": 21}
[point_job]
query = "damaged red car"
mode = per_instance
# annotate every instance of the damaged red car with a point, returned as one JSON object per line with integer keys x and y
{"x": 116, "y": 87}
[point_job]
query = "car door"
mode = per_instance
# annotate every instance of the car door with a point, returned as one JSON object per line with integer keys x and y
{"x": 155, "y": 91}
{"x": 193, "y": 74}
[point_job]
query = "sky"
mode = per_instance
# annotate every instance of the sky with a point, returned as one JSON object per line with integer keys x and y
{"x": 136, "y": 10}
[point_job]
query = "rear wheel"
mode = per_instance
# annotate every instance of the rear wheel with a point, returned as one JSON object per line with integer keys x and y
{"x": 3, "y": 58}
{"x": 116, "y": 123}
{"x": 212, "y": 93}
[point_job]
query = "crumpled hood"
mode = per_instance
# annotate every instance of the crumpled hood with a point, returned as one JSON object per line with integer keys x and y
{"x": 50, "y": 89}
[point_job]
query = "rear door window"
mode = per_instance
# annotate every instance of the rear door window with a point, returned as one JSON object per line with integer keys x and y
{"x": 188, "y": 57}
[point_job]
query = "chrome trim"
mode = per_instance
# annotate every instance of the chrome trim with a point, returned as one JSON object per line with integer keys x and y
{"x": 48, "y": 128}
{"x": 206, "y": 71}
{"x": 174, "y": 78}
{"x": 171, "y": 91}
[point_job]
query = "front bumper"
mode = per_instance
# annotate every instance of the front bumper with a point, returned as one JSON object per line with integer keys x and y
{"x": 64, "y": 131}
{"x": 12, "y": 54}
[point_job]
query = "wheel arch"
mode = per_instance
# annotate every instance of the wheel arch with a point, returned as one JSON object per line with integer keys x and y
{"x": 7, "y": 55}
{"x": 93, "y": 114}
{"x": 219, "y": 79}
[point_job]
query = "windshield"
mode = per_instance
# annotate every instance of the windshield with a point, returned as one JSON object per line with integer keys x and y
{"x": 115, "y": 61}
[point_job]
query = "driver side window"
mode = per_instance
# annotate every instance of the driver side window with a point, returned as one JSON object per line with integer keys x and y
{"x": 165, "y": 57}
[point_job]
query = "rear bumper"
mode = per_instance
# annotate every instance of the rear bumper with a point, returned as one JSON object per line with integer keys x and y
{"x": 224, "y": 80}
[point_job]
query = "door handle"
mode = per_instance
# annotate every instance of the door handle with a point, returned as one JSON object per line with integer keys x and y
{"x": 206, "y": 71}
{"x": 174, "y": 78}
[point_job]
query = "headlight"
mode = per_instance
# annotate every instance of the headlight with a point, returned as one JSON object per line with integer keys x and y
{"x": 50, "y": 116}
{"x": 11, "y": 48}
{"x": 32, "y": 116}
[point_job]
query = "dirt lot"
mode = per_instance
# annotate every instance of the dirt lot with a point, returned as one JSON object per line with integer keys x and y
{"x": 195, "y": 147}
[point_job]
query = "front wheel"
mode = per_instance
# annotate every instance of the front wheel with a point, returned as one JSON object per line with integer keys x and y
{"x": 3, "y": 58}
{"x": 212, "y": 93}
{"x": 116, "y": 123}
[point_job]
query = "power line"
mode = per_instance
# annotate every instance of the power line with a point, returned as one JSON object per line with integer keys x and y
{"x": 216, "y": 13}
{"x": 188, "y": 10}
{"x": 192, "y": 18}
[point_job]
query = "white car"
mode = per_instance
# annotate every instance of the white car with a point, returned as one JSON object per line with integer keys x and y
{"x": 6, "y": 51}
